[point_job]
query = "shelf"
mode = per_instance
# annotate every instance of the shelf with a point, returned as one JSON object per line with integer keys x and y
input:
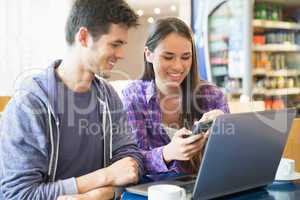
{"x": 276, "y": 92}
{"x": 235, "y": 92}
{"x": 218, "y": 37}
{"x": 277, "y": 47}
{"x": 276, "y": 24}
{"x": 219, "y": 71}
{"x": 282, "y": 2}
{"x": 276, "y": 73}
{"x": 218, "y": 61}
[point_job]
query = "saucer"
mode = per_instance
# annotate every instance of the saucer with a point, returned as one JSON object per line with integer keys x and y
{"x": 291, "y": 177}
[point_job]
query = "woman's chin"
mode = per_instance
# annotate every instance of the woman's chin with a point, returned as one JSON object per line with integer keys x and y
{"x": 173, "y": 87}
{"x": 174, "y": 84}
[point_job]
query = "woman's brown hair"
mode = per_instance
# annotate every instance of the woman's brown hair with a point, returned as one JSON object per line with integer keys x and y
{"x": 159, "y": 31}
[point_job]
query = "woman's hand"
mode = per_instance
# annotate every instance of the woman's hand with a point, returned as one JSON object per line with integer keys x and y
{"x": 211, "y": 115}
{"x": 181, "y": 148}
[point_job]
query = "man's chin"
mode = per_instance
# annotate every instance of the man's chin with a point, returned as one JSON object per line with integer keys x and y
{"x": 105, "y": 74}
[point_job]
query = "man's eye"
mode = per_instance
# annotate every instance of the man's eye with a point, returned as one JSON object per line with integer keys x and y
{"x": 114, "y": 45}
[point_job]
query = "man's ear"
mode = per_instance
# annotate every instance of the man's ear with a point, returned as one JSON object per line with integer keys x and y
{"x": 148, "y": 55}
{"x": 83, "y": 37}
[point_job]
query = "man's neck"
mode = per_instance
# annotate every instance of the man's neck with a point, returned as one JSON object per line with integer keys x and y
{"x": 73, "y": 73}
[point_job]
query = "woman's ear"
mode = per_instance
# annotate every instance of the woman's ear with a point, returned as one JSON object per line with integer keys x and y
{"x": 148, "y": 55}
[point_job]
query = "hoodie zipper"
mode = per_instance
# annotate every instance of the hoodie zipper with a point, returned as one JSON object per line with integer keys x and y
{"x": 52, "y": 145}
{"x": 54, "y": 151}
{"x": 57, "y": 149}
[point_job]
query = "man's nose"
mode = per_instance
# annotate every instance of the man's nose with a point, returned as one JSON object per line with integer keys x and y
{"x": 119, "y": 53}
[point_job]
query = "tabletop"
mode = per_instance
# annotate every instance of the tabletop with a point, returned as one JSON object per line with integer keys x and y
{"x": 275, "y": 191}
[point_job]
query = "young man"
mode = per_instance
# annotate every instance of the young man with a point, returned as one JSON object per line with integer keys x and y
{"x": 64, "y": 132}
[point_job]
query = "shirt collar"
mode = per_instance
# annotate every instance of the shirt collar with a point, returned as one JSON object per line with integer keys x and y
{"x": 150, "y": 91}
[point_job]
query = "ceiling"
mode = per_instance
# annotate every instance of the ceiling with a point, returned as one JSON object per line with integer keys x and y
{"x": 148, "y": 5}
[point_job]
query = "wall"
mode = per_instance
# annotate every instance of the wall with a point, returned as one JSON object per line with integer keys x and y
{"x": 131, "y": 67}
{"x": 185, "y": 9}
{"x": 31, "y": 35}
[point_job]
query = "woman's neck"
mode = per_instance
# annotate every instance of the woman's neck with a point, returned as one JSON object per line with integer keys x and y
{"x": 170, "y": 106}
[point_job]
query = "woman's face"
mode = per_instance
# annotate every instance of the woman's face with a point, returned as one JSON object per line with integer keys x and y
{"x": 172, "y": 61}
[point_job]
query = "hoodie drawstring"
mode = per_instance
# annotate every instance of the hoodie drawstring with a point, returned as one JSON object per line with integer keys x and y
{"x": 110, "y": 128}
{"x": 51, "y": 142}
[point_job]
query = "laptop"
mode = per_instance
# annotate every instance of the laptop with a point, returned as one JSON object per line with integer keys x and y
{"x": 242, "y": 152}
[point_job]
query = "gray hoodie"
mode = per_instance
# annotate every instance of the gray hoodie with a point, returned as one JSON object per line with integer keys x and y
{"x": 29, "y": 138}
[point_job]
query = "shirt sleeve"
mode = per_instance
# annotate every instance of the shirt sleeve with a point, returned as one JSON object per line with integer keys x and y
{"x": 123, "y": 142}
{"x": 152, "y": 153}
{"x": 154, "y": 162}
{"x": 210, "y": 97}
{"x": 221, "y": 101}
{"x": 24, "y": 154}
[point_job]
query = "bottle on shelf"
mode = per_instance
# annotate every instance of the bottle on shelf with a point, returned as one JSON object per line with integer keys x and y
{"x": 268, "y": 11}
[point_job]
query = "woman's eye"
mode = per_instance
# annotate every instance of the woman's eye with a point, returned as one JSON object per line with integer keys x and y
{"x": 168, "y": 57}
{"x": 186, "y": 57}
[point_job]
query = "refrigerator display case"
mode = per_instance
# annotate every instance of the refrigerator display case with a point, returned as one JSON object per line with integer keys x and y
{"x": 251, "y": 48}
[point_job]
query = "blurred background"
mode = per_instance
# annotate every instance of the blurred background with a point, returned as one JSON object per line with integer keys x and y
{"x": 249, "y": 48}
{"x": 32, "y": 36}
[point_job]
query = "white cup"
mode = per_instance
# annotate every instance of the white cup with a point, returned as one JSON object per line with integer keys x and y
{"x": 166, "y": 192}
{"x": 286, "y": 167}
{"x": 286, "y": 195}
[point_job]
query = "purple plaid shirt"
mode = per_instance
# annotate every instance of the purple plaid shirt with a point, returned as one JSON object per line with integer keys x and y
{"x": 145, "y": 118}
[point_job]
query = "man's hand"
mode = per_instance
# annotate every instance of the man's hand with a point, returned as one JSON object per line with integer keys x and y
{"x": 104, "y": 193}
{"x": 120, "y": 173}
{"x": 123, "y": 172}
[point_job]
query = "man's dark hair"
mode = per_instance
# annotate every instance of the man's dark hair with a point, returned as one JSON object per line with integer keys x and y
{"x": 97, "y": 16}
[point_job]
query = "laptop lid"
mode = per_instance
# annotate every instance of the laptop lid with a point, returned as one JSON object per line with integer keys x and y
{"x": 242, "y": 152}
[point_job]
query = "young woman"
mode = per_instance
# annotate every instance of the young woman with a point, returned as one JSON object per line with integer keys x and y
{"x": 170, "y": 97}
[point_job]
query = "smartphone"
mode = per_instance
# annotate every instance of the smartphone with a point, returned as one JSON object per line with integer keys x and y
{"x": 201, "y": 127}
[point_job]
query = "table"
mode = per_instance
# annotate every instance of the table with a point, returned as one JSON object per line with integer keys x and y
{"x": 275, "y": 191}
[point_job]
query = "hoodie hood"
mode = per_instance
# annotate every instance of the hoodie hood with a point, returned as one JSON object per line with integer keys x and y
{"x": 43, "y": 86}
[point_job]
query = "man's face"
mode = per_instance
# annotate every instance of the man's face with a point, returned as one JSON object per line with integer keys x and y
{"x": 102, "y": 54}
